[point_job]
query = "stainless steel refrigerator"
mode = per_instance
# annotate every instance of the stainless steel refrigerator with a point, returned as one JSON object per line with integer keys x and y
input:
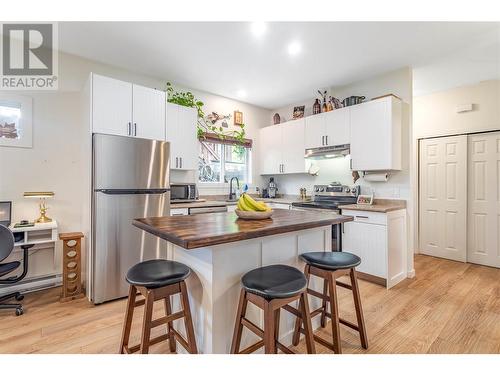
{"x": 130, "y": 180}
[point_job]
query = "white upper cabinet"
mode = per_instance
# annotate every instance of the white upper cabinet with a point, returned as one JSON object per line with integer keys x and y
{"x": 376, "y": 135}
{"x": 282, "y": 148}
{"x": 148, "y": 113}
{"x": 111, "y": 106}
{"x": 182, "y": 135}
{"x": 270, "y": 146}
{"x": 292, "y": 147}
{"x": 122, "y": 108}
{"x": 328, "y": 129}
{"x": 315, "y": 131}
{"x": 338, "y": 127}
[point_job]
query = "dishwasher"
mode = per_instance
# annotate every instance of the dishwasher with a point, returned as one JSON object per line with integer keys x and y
{"x": 206, "y": 210}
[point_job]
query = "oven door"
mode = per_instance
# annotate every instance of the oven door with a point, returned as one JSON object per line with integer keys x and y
{"x": 336, "y": 229}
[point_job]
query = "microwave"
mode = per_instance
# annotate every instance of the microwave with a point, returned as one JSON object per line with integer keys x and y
{"x": 183, "y": 192}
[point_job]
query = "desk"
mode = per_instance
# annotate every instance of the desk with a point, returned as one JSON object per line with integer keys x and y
{"x": 44, "y": 236}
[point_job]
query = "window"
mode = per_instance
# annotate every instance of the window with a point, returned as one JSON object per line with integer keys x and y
{"x": 219, "y": 162}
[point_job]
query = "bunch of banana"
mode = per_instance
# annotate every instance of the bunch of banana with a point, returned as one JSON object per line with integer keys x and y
{"x": 247, "y": 203}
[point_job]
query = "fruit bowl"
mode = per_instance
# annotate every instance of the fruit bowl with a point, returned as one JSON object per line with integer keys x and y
{"x": 253, "y": 215}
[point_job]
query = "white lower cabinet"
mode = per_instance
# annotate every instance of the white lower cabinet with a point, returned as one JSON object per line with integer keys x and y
{"x": 231, "y": 208}
{"x": 379, "y": 239}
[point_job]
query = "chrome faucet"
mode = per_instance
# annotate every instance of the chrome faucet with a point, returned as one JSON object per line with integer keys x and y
{"x": 232, "y": 196}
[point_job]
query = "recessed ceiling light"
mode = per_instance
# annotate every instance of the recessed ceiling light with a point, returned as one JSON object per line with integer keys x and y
{"x": 294, "y": 48}
{"x": 258, "y": 28}
{"x": 241, "y": 93}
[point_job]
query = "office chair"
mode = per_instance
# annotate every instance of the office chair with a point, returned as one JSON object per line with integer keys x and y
{"x": 6, "y": 247}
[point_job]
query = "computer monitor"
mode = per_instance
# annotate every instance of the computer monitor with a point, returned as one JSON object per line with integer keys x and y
{"x": 5, "y": 213}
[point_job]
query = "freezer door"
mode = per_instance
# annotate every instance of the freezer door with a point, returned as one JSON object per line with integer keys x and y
{"x": 117, "y": 244}
{"x": 130, "y": 163}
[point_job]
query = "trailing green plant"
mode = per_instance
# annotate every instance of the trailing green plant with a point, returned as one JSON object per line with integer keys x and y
{"x": 187, "y": 99}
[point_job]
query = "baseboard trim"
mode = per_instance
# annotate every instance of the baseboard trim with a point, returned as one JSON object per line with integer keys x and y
{"x": 32, "y": 285}
{"x": 411, "y": 274}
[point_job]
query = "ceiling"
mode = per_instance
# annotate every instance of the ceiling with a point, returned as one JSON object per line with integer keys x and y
{"x": 228, "y": 59}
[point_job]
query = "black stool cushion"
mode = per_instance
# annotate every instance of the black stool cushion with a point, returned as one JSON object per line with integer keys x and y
{"x": 277, "y": 281}
{"x": 331, "y": 260}
{"x": 157, "y": 273}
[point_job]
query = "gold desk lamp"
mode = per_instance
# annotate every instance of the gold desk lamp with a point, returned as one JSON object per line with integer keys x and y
{"x": 42, "y": 195}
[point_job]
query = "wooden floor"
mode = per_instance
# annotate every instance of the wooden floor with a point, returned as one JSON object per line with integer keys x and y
{"x": 449, "y": 307}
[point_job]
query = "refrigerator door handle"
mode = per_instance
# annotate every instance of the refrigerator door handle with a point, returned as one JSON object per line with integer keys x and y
{"x": 131, "y": 191}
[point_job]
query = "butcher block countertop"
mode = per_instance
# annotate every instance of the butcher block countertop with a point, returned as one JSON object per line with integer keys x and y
{"x": 379, "y": 205}
{"x": 194, "y": 231}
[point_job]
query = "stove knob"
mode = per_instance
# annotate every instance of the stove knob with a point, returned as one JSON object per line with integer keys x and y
{"x": 347, "y": 190}
{"x": 316, "y": 190}
{"x": 322, "y": 189}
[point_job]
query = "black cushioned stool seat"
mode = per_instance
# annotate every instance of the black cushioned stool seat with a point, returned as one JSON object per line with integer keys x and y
{"x": 158, "y": 280}
{"x": 156, "y": 273}
{"x": 331, "y": 260}
{"x": 272, "y": 288}
{"x": 276, "y": 281}
{"x": 330, "y": 266}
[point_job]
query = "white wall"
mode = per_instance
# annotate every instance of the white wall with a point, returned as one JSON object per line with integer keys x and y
{"x": 435, "y": 114}
{"x": 57, "y": 161}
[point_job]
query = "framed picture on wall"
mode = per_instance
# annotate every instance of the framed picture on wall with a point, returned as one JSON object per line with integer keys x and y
{"x": 16, "y": 120}
{"x": 238, "y": 118}
{"x": 298, "y": 112}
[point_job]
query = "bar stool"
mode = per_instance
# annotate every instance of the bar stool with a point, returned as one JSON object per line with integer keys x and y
{"x": 158, "y": 280}
{"x": 272, "y": 288}
{"x": 329, "y": 266}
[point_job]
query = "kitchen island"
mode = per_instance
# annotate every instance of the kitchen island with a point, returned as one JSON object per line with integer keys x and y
{"x": 220, "y": 248}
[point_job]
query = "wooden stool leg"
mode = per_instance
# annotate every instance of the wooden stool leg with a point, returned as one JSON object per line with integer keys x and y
{"x": 238, "y": 327}
{"x": 146, "y": 323}
{"x": 269, "y": 329}
{"x": 276, "y": 328}
{"x": 171, "y": 337}
{"x": 324, "y": 304}
{"x": 188, "y": 320}
{"x": 335, "y": 314}
{"x": 359, "y": 310}
{"x": 298, "y": 325}
{"x": 306, "y": 318}
{"x": 127, "y": 325}
{"x": 298, "y": 321}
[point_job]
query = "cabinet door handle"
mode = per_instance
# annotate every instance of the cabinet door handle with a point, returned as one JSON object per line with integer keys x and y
{"x": 351, "y": 163}
{"x": 135, "y": 129}
{"x": 129, "y": 128}
{"x": 322, "y": 140}
{"x": 176, "y": 162}
{"x": 180, "y": 162}
{"x": 361, "y": 217}
{"x": 282, "y": 168}
{"x": 326, "y": 140}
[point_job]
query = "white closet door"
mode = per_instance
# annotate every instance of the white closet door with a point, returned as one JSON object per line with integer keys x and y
{"x": 484, "y": 199}
{"x": 443, "y": 197}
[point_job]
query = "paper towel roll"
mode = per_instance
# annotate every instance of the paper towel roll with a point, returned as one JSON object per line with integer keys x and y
{"x": 376, "y": 177}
